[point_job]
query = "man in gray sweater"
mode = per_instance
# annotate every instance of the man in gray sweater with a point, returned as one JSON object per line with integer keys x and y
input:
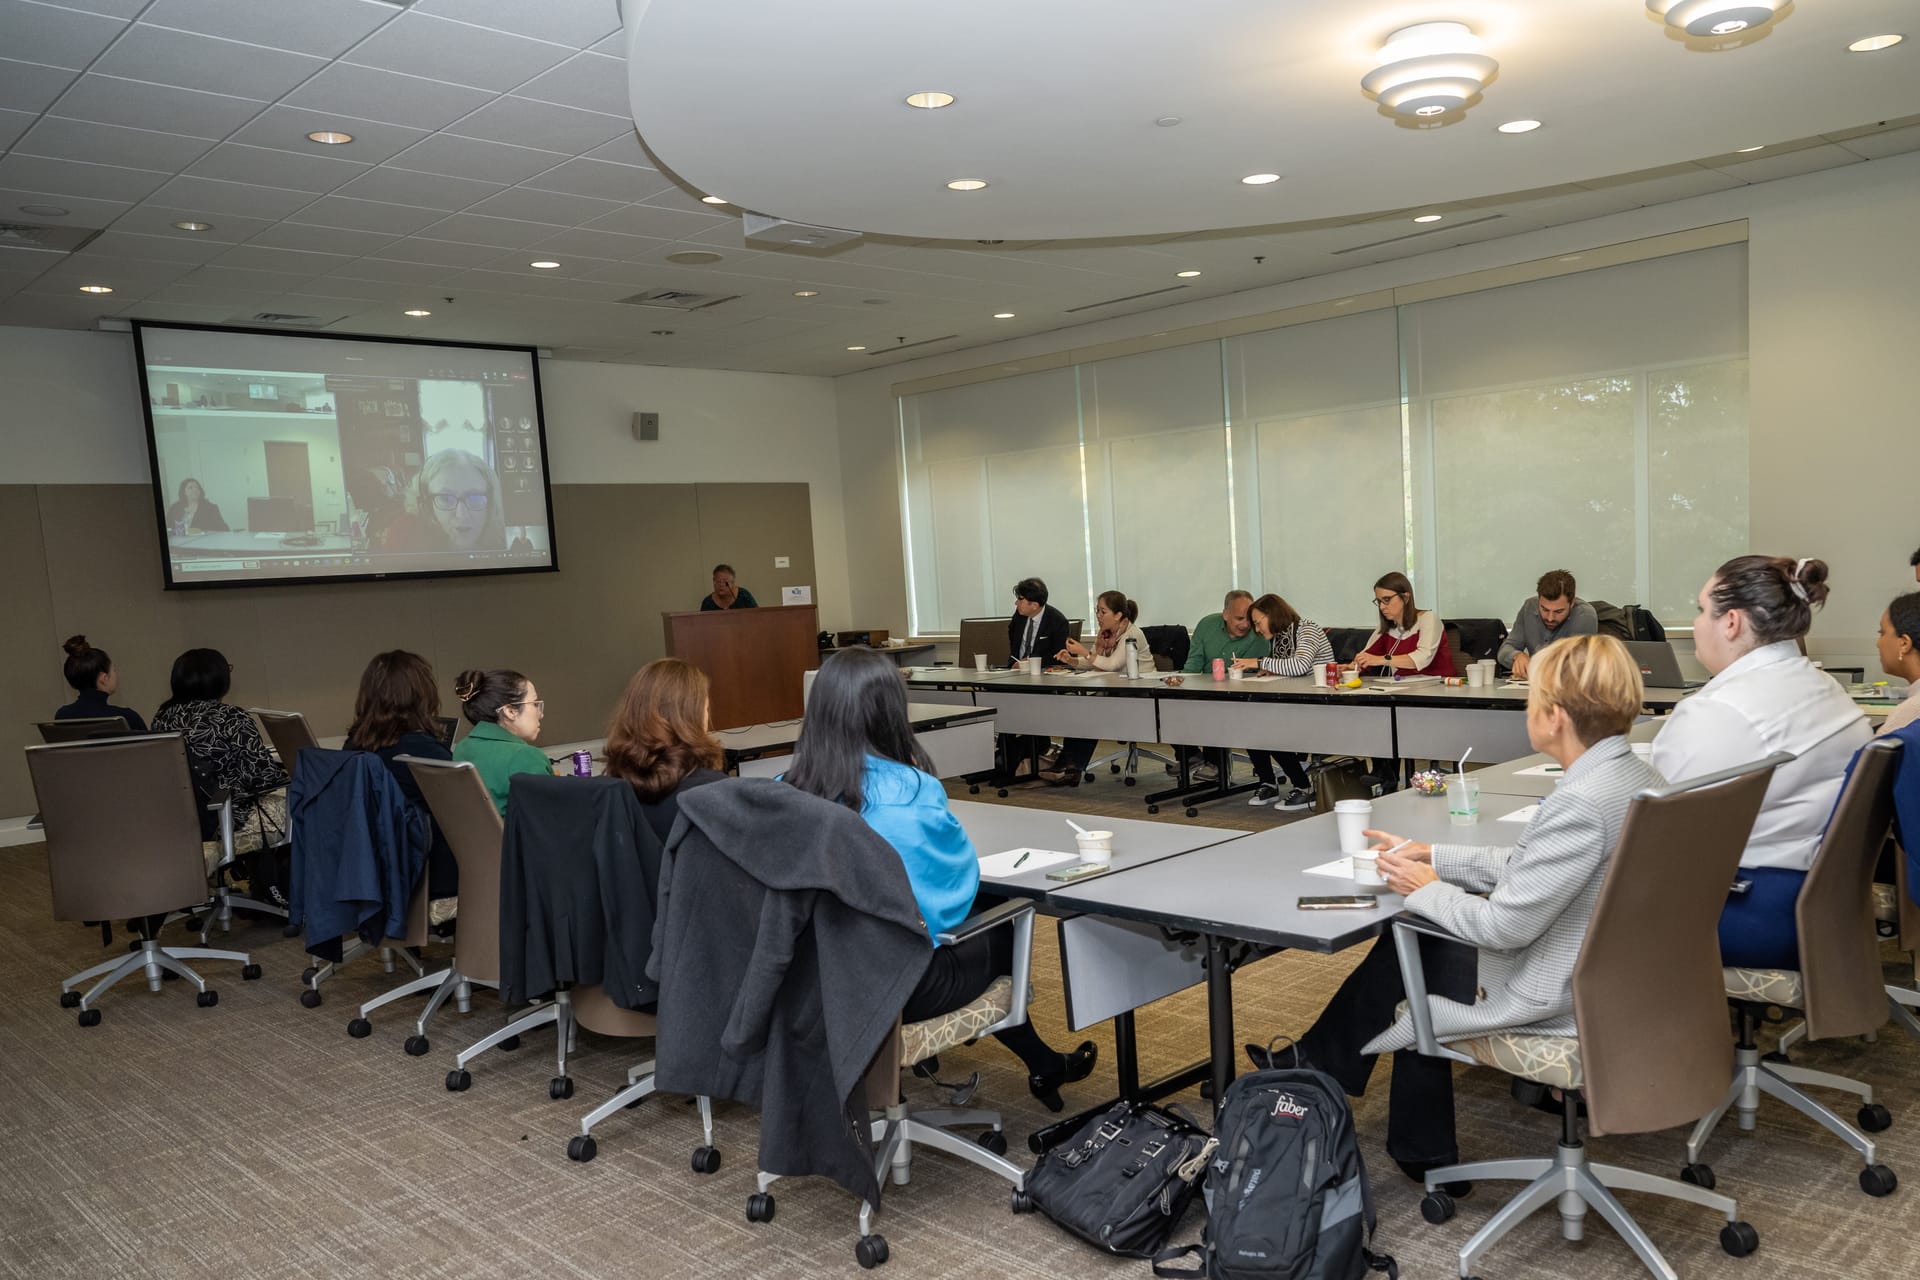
{"x": 1553, "y": 612}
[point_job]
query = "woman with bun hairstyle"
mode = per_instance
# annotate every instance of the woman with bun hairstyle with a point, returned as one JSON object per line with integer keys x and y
{"x": 1118, "y": 620}
{"x": 93, "y": 677}
{"x": 505, "y": 711}
{"x": 1765, "y": 696}
{"x": 660, "y": 740}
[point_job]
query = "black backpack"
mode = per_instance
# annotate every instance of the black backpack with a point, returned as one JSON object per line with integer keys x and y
{"x": 1287, "y": 1194}
{"x": 1123, "y": 1182}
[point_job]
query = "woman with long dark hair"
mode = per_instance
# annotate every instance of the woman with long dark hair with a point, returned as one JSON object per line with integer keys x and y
{"x": 857, "y": 748}
{"x": 393, "y": 716}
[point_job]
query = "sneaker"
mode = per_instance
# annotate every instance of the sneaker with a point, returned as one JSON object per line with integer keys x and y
{"x": 1266, "y": 795}
{"x": 1296, "y": 799}
{"x": 1205, "y": 773}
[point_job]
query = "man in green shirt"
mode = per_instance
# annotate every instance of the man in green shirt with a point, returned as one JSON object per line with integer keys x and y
{"x": 1228, "y": 634}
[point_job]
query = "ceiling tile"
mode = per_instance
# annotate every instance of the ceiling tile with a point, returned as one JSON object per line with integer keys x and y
{"x": 13, "y": 124}
{"x": 504, "y": 233}
{"x": 157, "y": 220}
{"x": 287, "y": 128}
{"x": 369, "y": 93}
{"x": 111, "y": 100}
{"x": 126, "y": 275}
{"x": 425, "y": 190}
{"x": 438, "y": 252}
{"x": 544, "y": 206}
{"x": 253, "y": 257}
{"x": 643, "y": 220}
{"x": 54, "y": 36}
{"x": 243, "y": 280}
{"x": 586, "y": 80}
{"x": 175, "y": 248}
{"x": 154, "y": 308}
{"x": 326, "y": 28}
{"x": 541, "y": 124}
{"x": 599, "y": 244}
{"x": 578, "y": 23}
{"x": 365, "y": 215}
{"x": 472, "y": 158}
{"x": 101, "y": 181}
{"x": 81, "y": 211}
{"x": 1891, "y": 142}
{"x": 672, "y": 196}
{"x": 208, "y": 197}
{"x": 112, "y": 8}
{"x": 264, "y": 166}
{"x": 92, "y": 143}
{"x": 601, "y": 180}
{"x": 1789, "y": 164}
{"x": 29, "y": 86}
{"x": 160, "y": 56}
{"x": 294, "y": 235}
{"x": 232, "y": 299}
{"x": 585, "y": 290}
{"x": 479, "y": 57}
{"x": 410, "y": 273}
{"x": 78, "y": 312}
{"x": 625, "y": 149}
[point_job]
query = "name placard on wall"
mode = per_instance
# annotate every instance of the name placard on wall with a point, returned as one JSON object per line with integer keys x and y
{"x": 796, "y": 595}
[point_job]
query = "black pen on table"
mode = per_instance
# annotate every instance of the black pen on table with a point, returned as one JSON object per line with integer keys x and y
{"x": 1022, "y": 858}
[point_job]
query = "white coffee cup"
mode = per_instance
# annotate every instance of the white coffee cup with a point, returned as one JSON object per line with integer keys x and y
{"x": 1476, "y": 676}
{"x": 1033, "y": 666}
{"x": 1319, "y": 676}
{"x": 1366, "y": 868}
{"x": 1236, "y": 673}
{"x": 1096, "y": 847}
{"x": 1490, "y": 668}
{"x": 1353, "y": 817}
{"x": 979, "y": 662}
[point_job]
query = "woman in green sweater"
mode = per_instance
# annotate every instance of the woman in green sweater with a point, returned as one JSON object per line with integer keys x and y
{"x": 505, "y": 711}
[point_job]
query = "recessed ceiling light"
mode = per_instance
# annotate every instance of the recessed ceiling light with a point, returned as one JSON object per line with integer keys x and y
{"x": 713, "y": 200}
{"x": 417, "y": 312}
{"x": 1429, "y": 217}
{"x": 662, "y": 333}
{"x": 966, "y": 184}
{"x": 44, "y": 210}
{"x": 96, "y": 288}
{"x": 330, "y": 137}
{"x": 1186, "y": 275}
{"x": 693, "y": 257}
{"x": 806, "y": 293}
{"x": 1260, "y": 179}
{"x": 856, "y": 348}
{"x": 930, "y": 101}
{"x": 1519, "y": 126}
{"x": 1741, "y": 151}
{"x": 194, "y": 226}
{"x": 544, "y": 265}
{"x": 1873, "y": 44}
{"x": 1167, "y": 122}
{"x": 1429, "y": 69}
{"x": 1572, "y": 257}
{"x": 1003, "y": 315}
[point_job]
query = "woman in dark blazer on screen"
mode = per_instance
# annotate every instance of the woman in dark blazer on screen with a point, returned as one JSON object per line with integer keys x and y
{"x": 190, "y": 512}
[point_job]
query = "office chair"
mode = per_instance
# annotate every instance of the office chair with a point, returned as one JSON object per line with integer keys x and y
{"x": 1896, "y": 908}
{"x": 1643, "y": 1065}
{"x": 1838, "y": 988}
{"x": 123, "y": 841}
{"x": 287, "y": 731}
{"x": 899, "y": 1125}
{"x": 596, "y": 1011}
{"x": 81, "y": 728}
{"x": 1132, "y": 752}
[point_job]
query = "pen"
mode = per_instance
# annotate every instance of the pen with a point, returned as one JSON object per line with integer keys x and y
{"x": 1022, "y": 858}
{"x": 1397, "y": 848}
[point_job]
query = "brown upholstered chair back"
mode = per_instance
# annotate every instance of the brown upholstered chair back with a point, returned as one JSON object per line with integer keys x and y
{"x": 1648, "y": 995}
{"x": 289, "y": 733}
{"x": 1839, "y": 953}
{"x": 595, "y": 1010}
{"x": 81, "y": 728}
{"x": 464, "y": 814}
{"x": 122, "y": 826}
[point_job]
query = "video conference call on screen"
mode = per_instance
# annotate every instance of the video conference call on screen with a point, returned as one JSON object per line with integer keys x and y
{"x": 288, "y": 457}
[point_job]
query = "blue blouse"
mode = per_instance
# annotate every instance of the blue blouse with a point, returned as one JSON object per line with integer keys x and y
{"x": 909, "y": 810}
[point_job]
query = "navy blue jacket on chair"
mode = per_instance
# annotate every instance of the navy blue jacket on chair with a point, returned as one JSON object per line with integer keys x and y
{"x": 358, "y": 847}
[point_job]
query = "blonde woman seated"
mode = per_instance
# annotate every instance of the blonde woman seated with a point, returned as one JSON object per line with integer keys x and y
{"x": 1118, "y": 620}
{"x": 1526, "y": 909}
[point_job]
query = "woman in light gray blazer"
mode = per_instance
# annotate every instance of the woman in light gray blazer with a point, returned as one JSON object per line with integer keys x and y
{"x": 1538, "y": 898}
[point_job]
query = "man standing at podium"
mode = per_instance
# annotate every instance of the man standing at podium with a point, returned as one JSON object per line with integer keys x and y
{"x": 725, "y": 594}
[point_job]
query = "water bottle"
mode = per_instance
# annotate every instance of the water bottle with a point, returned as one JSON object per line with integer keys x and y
{"x": 1133, "y": 659}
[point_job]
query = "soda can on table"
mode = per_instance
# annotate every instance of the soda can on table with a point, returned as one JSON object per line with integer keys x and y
{"x": 583, "y": 764}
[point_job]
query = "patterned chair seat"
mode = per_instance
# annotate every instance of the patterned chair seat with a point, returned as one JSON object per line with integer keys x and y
{"x": 1781, "y": 987}
{"x": 1550, "y": 1060}
{"x": 441, "y": 910}
{"x": 922, "y": 1040}
{"x": 1886, "y": 905}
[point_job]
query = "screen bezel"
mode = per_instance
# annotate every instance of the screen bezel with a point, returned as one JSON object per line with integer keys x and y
{"x": 412, "y": 575}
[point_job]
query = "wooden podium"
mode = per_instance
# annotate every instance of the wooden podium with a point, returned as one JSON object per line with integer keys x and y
{"x": 754, "y": 658}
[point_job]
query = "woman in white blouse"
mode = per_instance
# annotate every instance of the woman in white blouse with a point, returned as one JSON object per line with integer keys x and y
{"x": 1408, "y": 638}
{"x": 1297, "y": 646}
{"x": 1117, "y": 620}
{"x": 1899, "y": 645}
{"x": 1765, "y": 696}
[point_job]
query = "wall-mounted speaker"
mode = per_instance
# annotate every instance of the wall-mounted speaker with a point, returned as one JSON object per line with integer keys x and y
{"x": 646, "y": 426}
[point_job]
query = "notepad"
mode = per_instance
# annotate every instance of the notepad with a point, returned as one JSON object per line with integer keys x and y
{"x": 1540, "y": 771}
{"x": 1403, "y": 682}
{"x": 1524, "y": 814}
{"x": 1641, "y": 748}
{"x": 1338, "y": 869}
{"x": 1000, "y": 865}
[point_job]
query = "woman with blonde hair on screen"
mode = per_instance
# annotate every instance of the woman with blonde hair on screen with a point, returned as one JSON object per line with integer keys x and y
{"x": 461, "y": 495}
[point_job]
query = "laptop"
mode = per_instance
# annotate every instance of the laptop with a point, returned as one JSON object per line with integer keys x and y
{"x": 1659, "y": 667}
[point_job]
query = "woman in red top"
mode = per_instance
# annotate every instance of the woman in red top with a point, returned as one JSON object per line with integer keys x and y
{"x": 1408, "y": 638}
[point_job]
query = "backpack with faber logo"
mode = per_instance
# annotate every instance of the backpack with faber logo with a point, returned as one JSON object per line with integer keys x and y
{"x": 1286, "y": 1190}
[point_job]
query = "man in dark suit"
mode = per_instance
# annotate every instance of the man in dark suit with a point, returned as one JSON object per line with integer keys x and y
{"x": 1036, "y": 630}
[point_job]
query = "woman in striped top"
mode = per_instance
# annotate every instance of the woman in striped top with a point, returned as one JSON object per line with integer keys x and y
{"x": 1297, "y": 645}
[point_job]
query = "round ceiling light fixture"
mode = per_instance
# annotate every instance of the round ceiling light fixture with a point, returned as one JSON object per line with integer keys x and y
{"x": 806, "y": 293}
{"x": 96, "y": 288}
{"x": 1874, "y": 44}
{"x": 1429, "y": 217}
{"x": 1003, "y": 315}
{"x": 45, "y": 210}
{"x": 966, "y": 184}
{"x": 1519, "y": 126}
{"x": 856, "y": 348}
{"x": 330, "y": 137}
{"x": 417, "y": 313}
{"x": 714, "y": 200}
{"x": 1707, "y": 18}
{"x": 694, "y": 257}
{"x": 930, "y": 101}
{"x": 1429, "y": 69}
{"x": 1186, "y": 275}
{"x": 191, "y": 225}
{"x": 543, "y": 265}
{"x": 1260, "y": 179}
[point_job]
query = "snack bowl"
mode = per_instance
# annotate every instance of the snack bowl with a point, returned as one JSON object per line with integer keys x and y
{"x": 1429, "y": 782}
{"x": 1174, "y": 682}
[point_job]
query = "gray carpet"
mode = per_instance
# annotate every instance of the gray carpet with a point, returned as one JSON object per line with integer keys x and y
{"x": 256, "y": 1139}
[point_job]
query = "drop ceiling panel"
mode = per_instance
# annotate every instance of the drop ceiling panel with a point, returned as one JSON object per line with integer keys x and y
{"x": 1790, "y": 164}
{"x": 484, "y": 59}
{"x": 326, "y": 28}
{"x": 528, "y": 286}
{"x": 587, "y": 80}
{"x": 365, "y": 215}
{"x": 30, "y": 86}
{"x": 673, "y": 196}
{"x": 370, "y": 93}
{"x": 160, "y": 56}
{"x": 426, "y": 190}
{"x": 598, "y": 244}
{"x": 544, "y": 206}
{"x": 287, "y": 128}
{"x": 54, "y": 36}
{"x": 1893, "y": 142}
{"x": 128, "y": 276}
{"x": 541, "y": 124}
{"x": 78, "y": 312}
{"x": 254, "y": 257}
{"x": 444, "y": 253}
{"x": 311, "y": 239}
{"x": 174, "y": 248}
{"x": 503, "y": 233}
{"x": 111, "y": 8}
{"x": 208, "y": 196}
{"x": 625, "y": 149}
{"x": 474, "y": 158}
{"x": 265, "y": 166}
{"x": 410, "y": 273}
{"x": 644, "y": 220}
{"x": 13, "y": 124}
{"x": 235, "y": 279}
{"x": 68, "y": 178}
{"x": 93, "y": 143}
{"x": 157, "y": 220}
{"x": 578, "y": 23}
{"x": 111, "y": 100}
{"x": 601, "y": 180}
{"x": 81, "y": 212}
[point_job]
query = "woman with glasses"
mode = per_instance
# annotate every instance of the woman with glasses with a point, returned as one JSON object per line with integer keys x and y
{"x": 505, "y": 711}
{"x": 1407, "y": 638}
{"x": 463, "y": 496}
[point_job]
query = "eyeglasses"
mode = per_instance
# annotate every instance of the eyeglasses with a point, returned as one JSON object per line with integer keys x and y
{"x": 538, "y": 704}
{"x": 1381, "y": 602}
{"x": 454, "y": 501}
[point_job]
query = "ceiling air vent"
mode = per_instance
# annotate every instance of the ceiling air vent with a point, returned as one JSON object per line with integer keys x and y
{"x": 908, "y": 346}
{"x": 1132, "y": 297}
{"x": 678, "y": 299}
{"x": 286, "y": 320}
{"x": 1436, "y": 229}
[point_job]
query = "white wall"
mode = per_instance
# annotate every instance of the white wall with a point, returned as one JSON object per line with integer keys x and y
{"x": 1833, "y": 295}
{"x": 70, "y": 414}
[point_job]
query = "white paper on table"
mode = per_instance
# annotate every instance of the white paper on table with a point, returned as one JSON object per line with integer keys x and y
{"x": 1403, "y": 682}
{"x": 1001, "y": 864}
{"x": 1541, "y": 771}
{"x": 1514, "y": 684}
{"x": 1641, "y": 748}
{"x": 1338, "y": 869}
{"x": 1524, "y": 814}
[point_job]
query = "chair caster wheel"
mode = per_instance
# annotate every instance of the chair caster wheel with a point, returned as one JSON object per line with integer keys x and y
{"x": 1002, "y": 793}
{"x": 1193, "y": 813}
{"x": 250, "y": 972}
{"x": 1776, "y": 1057}
{"x": 169, "y": 975}
{"x": 509, "y": 1044}
{"x": 1875, "y": 1179}
{"x": 307, "y": 975}
{"x": 69, "y": 999}
{"x": 1436, "y": 1207}
{"x": 582, "y": 1148}
{"x": 560, "y": 1088}
{"x": 994, "y": 1141}
{"x": 459, "y": 1081}
{"x": 871, "y": 1251}
{"x": 1739, "y": 1239}
{"x": 1113, "y": 768}
{"x": 1699, "y": 1175}
{"x": 89, "y": 1017}
{"x": 1128, "y": 781}
{"x": 207, "y": 999}
{"x": 289, "y": 930}
{"x": 417, "y": 1046}
{"x": 974, "y": 789}
{"x": 1020, "y": 1201}
{"x": 359, "y": 1028}
{"x": 1153, "y": 808}
{"x": 760, "y": 1207}
{"x": 190, "y": 923}
{"x": 310, "y": 998}
{"x": 1873, "y": 1117}
{"x": 706, "y": 1160}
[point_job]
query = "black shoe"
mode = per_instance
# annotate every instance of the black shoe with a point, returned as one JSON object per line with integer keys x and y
{"x": 1077, "y": 1065}
{"x": 1295, "y": 800}
{"x": 1418, "y": 1172}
